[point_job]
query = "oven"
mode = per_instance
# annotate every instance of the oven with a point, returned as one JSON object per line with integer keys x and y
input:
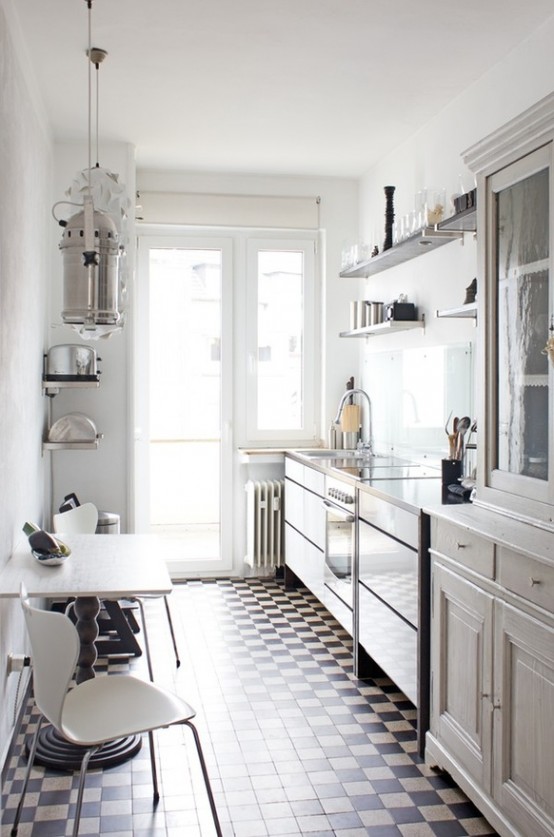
{"x": 340, "y": 539}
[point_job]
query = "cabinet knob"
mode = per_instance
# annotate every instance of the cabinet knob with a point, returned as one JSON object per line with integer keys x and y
{"x": 496, "y": 704}
{"x": 533, "y": 581}
{"x": 460, "y": 545}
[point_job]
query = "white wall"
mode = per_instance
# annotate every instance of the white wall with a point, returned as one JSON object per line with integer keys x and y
{"x": 25, "y": 189}
{"x": 432, "y": 158}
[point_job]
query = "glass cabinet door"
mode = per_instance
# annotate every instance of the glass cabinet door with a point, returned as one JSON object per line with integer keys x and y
{"x": 519, "y": 388}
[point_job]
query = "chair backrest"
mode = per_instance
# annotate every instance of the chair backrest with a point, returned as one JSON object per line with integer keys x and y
{"x": 82, "y": 520}
{"x": 54, "y": 652}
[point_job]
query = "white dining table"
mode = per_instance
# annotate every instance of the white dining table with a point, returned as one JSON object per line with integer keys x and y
{"x": 111, "y": 566}
{"x": 99, "y": 567}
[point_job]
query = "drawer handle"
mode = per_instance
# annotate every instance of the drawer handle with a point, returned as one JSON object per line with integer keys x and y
{"x": 460, "y": 545}
{"x": 533, "y": 581}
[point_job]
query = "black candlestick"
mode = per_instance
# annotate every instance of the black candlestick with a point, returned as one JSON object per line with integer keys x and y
{"x": 389, "y": 216}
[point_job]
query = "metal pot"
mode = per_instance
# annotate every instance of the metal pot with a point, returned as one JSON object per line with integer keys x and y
{"x": 73, "y": 427}
{"x": 70, "y": 362}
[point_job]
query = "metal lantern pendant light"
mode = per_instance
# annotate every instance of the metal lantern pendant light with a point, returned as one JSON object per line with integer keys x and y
{"x": 90, "y": 245}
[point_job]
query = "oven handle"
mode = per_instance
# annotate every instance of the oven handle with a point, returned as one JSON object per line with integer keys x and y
{"x": 344, "y": 515}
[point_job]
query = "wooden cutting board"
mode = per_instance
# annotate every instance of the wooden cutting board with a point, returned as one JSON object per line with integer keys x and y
{"x": 350, "y": 419}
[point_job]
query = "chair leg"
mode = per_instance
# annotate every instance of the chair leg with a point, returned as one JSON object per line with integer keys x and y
{"x": 145, "y": 637}
{"x": 206, "y": 777}
{"x": 30, "y": 762}
{"x": 153, "y": 766}
{"x": 82, "y": 777}
{"x": 172, "y": 632}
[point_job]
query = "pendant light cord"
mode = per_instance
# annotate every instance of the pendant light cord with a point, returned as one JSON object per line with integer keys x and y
{"x": 97, "y": 65}
{"x": 89, "y": 4}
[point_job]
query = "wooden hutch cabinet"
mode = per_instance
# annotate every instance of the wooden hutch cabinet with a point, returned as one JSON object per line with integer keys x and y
{"x": 492, "y": 562}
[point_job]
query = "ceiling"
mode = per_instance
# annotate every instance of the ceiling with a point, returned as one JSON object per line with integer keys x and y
{"x": 314, "y": 87}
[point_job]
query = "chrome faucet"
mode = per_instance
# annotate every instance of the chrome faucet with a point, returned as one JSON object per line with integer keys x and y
{"x": 367, "y": 446}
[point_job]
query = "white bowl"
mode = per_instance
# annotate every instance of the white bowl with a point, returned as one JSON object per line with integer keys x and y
{"x": 50, "y": 559}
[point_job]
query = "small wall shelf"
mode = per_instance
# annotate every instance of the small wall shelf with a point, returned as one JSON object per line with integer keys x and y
{"x": 463, "y": 311}
{"x": 424, "y": 240}
{"x": 53, "y": 387}
{"x": 70, "y": 445}
{"x": 387, "y": 327}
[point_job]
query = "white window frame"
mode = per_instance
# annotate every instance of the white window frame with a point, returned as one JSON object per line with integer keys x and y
{"x": 311, "y": 367}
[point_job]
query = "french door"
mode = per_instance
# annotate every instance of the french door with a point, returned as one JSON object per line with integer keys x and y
{"x": 183, "y": 388}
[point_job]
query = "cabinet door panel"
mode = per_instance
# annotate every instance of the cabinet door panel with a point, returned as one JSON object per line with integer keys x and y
{"x": 314, "y": 519}
{"x": 305, "y": 560}
{"x": 390, "y": 641}
{"x": 294, "y": 504}
{"x": 461, "y": 639}
{"x": 524, "y": 719}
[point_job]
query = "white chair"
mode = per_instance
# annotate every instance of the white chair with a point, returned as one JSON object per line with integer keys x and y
{"x": 83, "y": 520}
{"x": 99, "y": 710}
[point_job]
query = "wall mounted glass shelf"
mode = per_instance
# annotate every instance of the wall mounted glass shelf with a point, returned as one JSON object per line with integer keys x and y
{"x": 428, "y": 238}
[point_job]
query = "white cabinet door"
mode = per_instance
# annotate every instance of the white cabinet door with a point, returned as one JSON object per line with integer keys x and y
{"x": 314, "y": 519}
{"x": 461, "y": 665}
{"x": 305, "y": 560}
{"x": 294, "y": 504}
{"x": 523, "y": 774}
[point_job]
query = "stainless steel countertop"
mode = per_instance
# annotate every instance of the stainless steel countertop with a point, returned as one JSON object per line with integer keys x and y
{"x": 406, "y": 484}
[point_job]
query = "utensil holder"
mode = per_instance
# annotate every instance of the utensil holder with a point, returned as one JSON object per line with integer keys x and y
{"x": 451, "y": 471}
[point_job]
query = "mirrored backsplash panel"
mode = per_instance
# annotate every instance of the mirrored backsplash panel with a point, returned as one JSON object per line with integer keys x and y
{"x": 415, "y": 395}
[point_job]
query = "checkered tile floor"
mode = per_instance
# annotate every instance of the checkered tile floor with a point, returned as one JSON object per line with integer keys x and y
{"x": 296, "y": 745}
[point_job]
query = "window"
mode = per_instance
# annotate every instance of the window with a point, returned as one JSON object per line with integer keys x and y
{"x": 282, "y": 356}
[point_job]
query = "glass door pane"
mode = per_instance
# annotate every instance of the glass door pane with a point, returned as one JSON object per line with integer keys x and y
{"x": 185, "y": 399}
{"x": 280, "y": 339}
{"x": 523, "y": 305}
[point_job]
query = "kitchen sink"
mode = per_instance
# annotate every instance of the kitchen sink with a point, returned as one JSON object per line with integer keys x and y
{"x": 327, "y": 453}
{"x": 379, "y": 466}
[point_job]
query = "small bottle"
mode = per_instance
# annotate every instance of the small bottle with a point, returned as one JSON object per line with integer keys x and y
{"x": 332, "y": 441}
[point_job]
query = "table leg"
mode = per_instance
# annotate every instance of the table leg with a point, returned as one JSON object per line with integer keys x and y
{"x": 86, "y": 610}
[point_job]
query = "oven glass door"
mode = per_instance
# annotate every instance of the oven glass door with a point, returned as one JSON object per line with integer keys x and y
{"x": 339, "y": 552}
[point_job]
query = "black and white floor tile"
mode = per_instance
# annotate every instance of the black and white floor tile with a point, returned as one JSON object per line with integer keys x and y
{"x": 295, "y": 744}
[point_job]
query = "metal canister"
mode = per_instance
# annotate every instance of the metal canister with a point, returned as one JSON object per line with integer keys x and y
{"x": 375, "y": 313}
